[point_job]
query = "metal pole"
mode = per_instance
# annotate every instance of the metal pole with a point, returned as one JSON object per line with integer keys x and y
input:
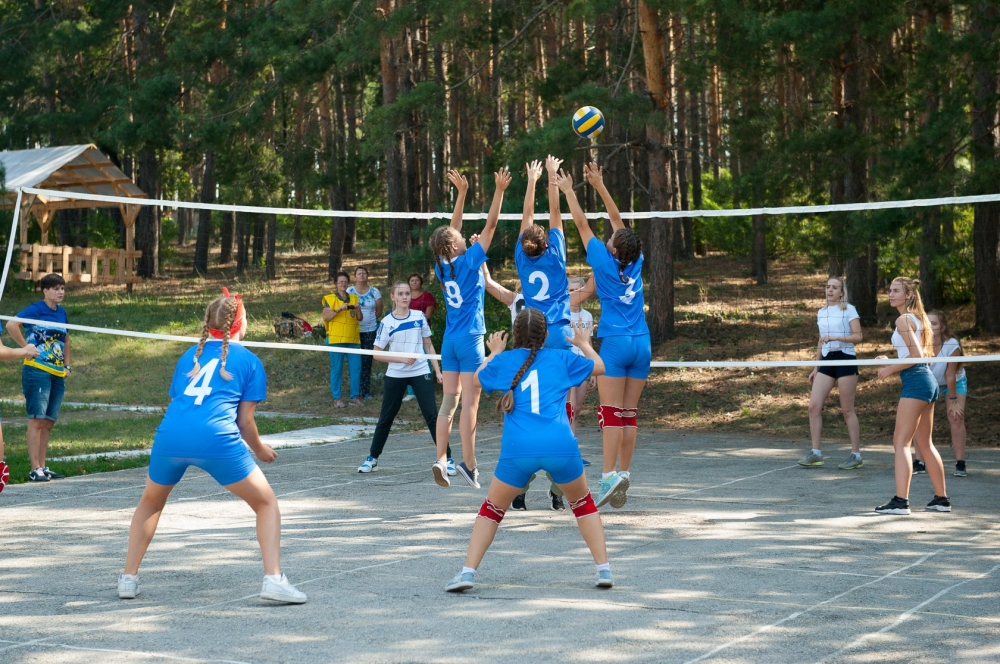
{"x": 10, "y": 243}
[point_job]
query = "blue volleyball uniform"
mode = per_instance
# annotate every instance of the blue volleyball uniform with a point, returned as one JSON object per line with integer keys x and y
{"x": 465, "y": 323}
{"x": 545, "y": 286}
{"x": 536, "y": 433}
{"x": 625, "y": 346}
{"x": 199, "y": 427}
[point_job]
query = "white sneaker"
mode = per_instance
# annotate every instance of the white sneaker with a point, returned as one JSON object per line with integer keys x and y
{"x": 282, "y": 591}
{"x": 451, "y": 468}
{"x": 128, "y": 586}
{"x": 409, "y": 397}
{"x": 440, "y": 472}
{"x": 370, "y": 464}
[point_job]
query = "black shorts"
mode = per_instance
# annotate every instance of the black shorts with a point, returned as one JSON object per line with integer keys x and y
{"x": 839, "y": 372}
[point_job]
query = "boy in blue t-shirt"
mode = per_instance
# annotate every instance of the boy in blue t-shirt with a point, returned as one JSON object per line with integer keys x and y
{"x": 43, "y": 378}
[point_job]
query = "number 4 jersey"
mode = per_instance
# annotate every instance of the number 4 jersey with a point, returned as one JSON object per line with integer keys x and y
{"x": 622, "y": 303}
{"x": 538, "y": 425}
{"x": 201, "y": 419}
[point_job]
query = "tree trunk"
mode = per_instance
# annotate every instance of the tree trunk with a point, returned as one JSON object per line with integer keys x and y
{"x": 242, "y": 242}
{"x": 205, "y": 216}
{"x": 147, "y": 227}
{"x": 930, "y": 242}
{"x": 226, "y": 237}
{"x": 270, "y": 262}
{"x": 986, "y": 220}
{"x": 259, "y": 224}
{"x": 399, "y": 229}
{"x": 759, "y": 260}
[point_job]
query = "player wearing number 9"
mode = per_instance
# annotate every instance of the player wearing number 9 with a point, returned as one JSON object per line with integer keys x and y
{"x": 536, "y": 433}
{"x": 457, "y": 269}
{"x": 540, "y": 258}
{"x": 214, "y": 392}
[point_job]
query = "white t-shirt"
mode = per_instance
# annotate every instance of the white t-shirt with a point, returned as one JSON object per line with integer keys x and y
{"x": 939, "y": 370}
{"x": 836, "y": 322}
{"x": 581, "y": 316}
{"x": 404, "y": 335}
{"x": 902, "y": 350}
{"x": 367, "y": 303}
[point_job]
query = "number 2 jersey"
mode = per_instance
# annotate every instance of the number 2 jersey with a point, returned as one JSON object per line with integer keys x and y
{"x": 543, "y": 279}
{"x": 464, "y": 294}
{"x": 538, "y": 425}
{"x": 622, "y": 303}
{"x": 200, "y": 421}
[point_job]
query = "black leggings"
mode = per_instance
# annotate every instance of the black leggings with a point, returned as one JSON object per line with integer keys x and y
{"x": 393, "y": 391}
{"x": 368, "y": 343}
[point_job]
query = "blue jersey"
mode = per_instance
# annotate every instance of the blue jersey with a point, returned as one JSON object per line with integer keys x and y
{"x": 464, "y": 295}
{"x": 543, "y": 279}
{"x": 50, "y": 341}
{"x": 538, "y": 425}
{"x": 622, "y": 304}
{"x": 200, "y": 422}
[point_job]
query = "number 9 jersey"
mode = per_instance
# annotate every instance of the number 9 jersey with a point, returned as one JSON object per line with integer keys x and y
{"x": 465, "y": 293}
{"x": 201, "y": 419}
{"x": 538, "y": 425}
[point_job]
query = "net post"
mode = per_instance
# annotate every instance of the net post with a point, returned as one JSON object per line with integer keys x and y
{"x": 10, "y": 243}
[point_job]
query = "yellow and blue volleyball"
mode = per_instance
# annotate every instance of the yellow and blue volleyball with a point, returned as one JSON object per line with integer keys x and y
{"x": 588, "y": 122}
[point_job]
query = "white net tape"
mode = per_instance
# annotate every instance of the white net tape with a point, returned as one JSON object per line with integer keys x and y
{"x": 52, "y": 195}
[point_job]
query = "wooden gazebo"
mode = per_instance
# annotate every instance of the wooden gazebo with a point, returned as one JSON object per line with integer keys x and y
{"x": 79, "y": 169}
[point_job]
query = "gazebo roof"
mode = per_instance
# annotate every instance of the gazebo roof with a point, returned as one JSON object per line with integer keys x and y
{"x": 78, "y": 168}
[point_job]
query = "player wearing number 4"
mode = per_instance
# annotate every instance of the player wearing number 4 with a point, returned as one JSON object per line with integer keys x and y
{"x": 214, "y": 392}
{"x": 536, "y": 435}
{"x": 625, "y": 346}
{"x": 462, "y": 350}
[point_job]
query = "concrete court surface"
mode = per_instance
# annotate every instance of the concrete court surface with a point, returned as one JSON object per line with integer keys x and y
{"x": 726, "y": 552}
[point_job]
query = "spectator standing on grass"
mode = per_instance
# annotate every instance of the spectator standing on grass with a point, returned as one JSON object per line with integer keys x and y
{"x": 839, "y": 329}
{"x": 43, "y": 378}
{"x": 953, "y": 383}
{"x": 370, "y": 301}
{"x": 28, "y": 352}
{"x": 342, "y": 317}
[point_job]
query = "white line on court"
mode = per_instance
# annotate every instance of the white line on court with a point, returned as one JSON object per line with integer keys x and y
{"x": 905, "y": 616}
{"x": 139, "y": 653}
{"x": 742, "y": 479}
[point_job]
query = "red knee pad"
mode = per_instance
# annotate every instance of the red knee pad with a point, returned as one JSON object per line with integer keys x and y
{"x": 570, "y": 413}
{"x": 584, "y": 507}
{"x": 630, "y": 417}
{"x": 490, "y": 511}
{"x": 609, "y": 416}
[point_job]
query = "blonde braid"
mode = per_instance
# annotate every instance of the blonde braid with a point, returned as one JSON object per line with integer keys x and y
{"x": 230, "y": 319}
{"x": 201, "y": 346}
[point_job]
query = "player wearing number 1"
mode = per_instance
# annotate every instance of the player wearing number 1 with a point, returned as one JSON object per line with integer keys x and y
{"x": 536, "y": 435}
{"x": 214, "y": 392}
{"x": 625, "y": 346}
{"x": 462, "y": 351}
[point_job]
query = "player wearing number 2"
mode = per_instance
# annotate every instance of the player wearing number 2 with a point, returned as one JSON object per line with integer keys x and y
{"x": 625, "y": 346}
{"x": 541, "y": 258}
{"x": 214, "y": 392}
{"x": 536, "y": 434}
{"x": 462, "y": 351}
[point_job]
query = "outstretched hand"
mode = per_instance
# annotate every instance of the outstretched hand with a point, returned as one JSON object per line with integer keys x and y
{"x": 534, "y": 170}
{"x": 497, "y": 342}
{"x": 502, "y": 178}
{"x": 564, "y": 181}
{"x": 594, "y": 174}
{"x": 458, "y": 180}
{"x": 474, "y": 238}
{"x": 552, "y": 165}
{"x": 581, "y": 335}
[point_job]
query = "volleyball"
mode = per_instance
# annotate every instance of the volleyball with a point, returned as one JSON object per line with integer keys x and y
{"x": 588, "y": 122}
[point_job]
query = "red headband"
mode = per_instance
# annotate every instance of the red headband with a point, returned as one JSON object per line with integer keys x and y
{"x": 237, "y": 322}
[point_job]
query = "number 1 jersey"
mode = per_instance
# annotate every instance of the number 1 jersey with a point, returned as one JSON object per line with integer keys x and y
{"x": 538, "y": 425}
{"x": 201, "y": 419}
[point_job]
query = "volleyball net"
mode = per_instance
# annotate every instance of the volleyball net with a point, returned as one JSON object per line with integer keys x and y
{"x": 764, "y": 314}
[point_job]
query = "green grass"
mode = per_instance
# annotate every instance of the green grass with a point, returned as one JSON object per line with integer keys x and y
{"x": 112, "y": 435}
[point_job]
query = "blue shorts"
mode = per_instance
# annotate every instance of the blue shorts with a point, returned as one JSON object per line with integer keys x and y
{"x": 626, "y": 356}
{"x": 168, "y": 470}
{"x": 919, "y": 383}
{"x": 557, "y": 337}
{"x": 463, "y": 354}
{"x": 517, "y": 472}
{"x": 43, "y": 393}
{"x": 961, "y": 387}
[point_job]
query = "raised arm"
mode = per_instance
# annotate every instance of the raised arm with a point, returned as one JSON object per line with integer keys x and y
{"x": 581, "y": 295}
{"x": 463, "y": 186}
{"x": 496, "y": 289}
{"x": 565, "y": 184}
{"x": 595, "y": 176}
{"x": 555, "y": 214}
{"x": 528, "y": 213}
{"x": 502, "y": 180}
